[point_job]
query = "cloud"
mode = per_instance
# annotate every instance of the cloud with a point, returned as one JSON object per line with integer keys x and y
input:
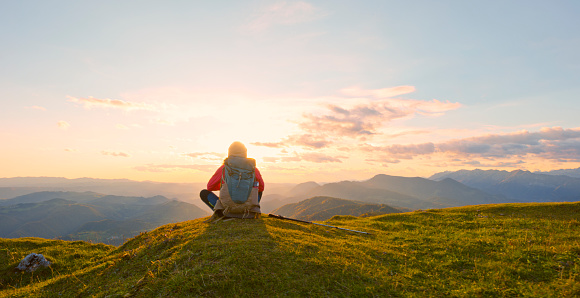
{"x": 268, "y": 144}
{"x": 361, "y": 121}
{"x": 126, "y": 127}
{"x": 35, "y": 108}
{"x": 164, "y": 122}
{"x": 315, "y": 157}
{"x": 206, "y": 155}
{"x": 303, "y": 140}
{"x": 553, "y": 143}
{"x": 319, "y": 158}
{"x": 282, "y": 13}
{"x": 406, "y": 133}
{"x": 378, "y": 93}
{"x": 364, "y": 120}
{"x": 383, "y": 161}
{"x": 170, "y": 168}
{"x": 117, "y": 154}
{"x": 550, "y": 143}
{"x": 91, "y": 102}
{"x": 63, "y": 124}
{"x": 306, "y": 140}
{"x": 408, "y": 151}
{"x": 270, "y": 159}
{"x": 501, "y": 164}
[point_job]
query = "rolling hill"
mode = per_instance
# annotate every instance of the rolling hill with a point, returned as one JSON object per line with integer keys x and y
{"x": 323, "y": 208}
{"x": 18, "y": 186}
{"x": 505, "y": 250}
{"x": 41, "y": 196}
{"x": 48, "y": 215}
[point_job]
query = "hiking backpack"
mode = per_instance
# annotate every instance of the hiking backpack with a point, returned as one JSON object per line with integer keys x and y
{"x": 239, "y": 191}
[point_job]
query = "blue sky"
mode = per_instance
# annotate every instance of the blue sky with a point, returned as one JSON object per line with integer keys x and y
{"x": 317, "y": 90}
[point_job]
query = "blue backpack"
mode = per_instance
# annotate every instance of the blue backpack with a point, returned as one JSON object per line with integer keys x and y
{"x": 239, "y": 174}
{"x": 239, "y": 191}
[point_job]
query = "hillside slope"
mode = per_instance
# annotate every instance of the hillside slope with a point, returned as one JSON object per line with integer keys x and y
{"x": 46, "y": 219}
{"x": 488, "y": 250}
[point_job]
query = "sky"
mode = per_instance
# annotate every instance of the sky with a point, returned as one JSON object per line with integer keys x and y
{"x": 317, "y": 90}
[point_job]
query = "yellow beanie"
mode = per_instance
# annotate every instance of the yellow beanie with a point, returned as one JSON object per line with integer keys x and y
{"x": 238, "y": 149}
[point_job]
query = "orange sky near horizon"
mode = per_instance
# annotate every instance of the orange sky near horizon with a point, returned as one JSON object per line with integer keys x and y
{"x": 316, "y": 90}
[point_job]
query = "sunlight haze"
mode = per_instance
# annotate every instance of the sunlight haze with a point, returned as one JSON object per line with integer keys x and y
{"x": 317, "y": 90}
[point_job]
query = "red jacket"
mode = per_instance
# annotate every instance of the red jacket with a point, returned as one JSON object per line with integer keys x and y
{"x": 215, "y": 182}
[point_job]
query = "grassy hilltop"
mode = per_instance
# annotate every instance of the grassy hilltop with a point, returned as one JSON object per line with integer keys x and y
{"x": 485, "y": 250}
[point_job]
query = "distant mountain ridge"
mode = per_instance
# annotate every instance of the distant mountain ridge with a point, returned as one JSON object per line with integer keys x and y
{"x": 575, "y": 173}
{"x": 404, "y": 192}
{"x": 519, "y": 185}
{"x": 70, "y": 215}
{"x": 186, "y": 192}
{"x": 18, "y": 186}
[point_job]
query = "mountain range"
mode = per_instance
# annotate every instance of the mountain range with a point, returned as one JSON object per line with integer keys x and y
{"x": 89, "y": 215}
{"x": 518, "y": 185}
{"x": 445, "y": 189}
{"x": 398, "y": 192}
{"x": 186, "y": 192}
{"x": 568, "y": 172}
{"x": 53, "y": 214}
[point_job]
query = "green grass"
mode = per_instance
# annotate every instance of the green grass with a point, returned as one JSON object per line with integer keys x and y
{"x": 507, "y": 250}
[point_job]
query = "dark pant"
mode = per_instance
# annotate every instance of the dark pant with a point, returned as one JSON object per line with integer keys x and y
{"x": 210, "y": 199}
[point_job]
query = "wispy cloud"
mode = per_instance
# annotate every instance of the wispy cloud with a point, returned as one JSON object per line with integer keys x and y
{"x": 400, "y": 151}
{"x": 554, "y": 143}
{"x": 63, "y": 124}
{"x": 268, "y": 144}
{"x": 319, "y": 158}
{"x": 170, "y": 168}
{"x": 36, "y": 108}
{"x": 117, "y": 154}
{"x": 360, "y": 121}
{"x": 500, "y": 164}
{"x": 366, "y": 119}
{"x": 206, "y": 155}
{"x": 315, "y": 157}
{"x": 126, "y": 127}
{"x": 163, "y": 122}
{"x": 378, "y": 93}
{"x": 92, "y": 102}
{"x": 301, "y": 140}
{"x": 282, "y": 13}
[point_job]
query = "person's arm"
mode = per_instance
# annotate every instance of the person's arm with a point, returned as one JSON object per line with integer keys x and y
{"x": 260, "y": 180}
{"x": 215, "y": 182}
{"x": 260, "y": 184}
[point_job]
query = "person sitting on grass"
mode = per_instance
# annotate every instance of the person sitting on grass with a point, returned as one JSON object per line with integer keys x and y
{"x": 240, "y": 185}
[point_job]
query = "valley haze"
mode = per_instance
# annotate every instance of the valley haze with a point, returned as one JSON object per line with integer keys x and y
{"x": 113, "y": 210}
